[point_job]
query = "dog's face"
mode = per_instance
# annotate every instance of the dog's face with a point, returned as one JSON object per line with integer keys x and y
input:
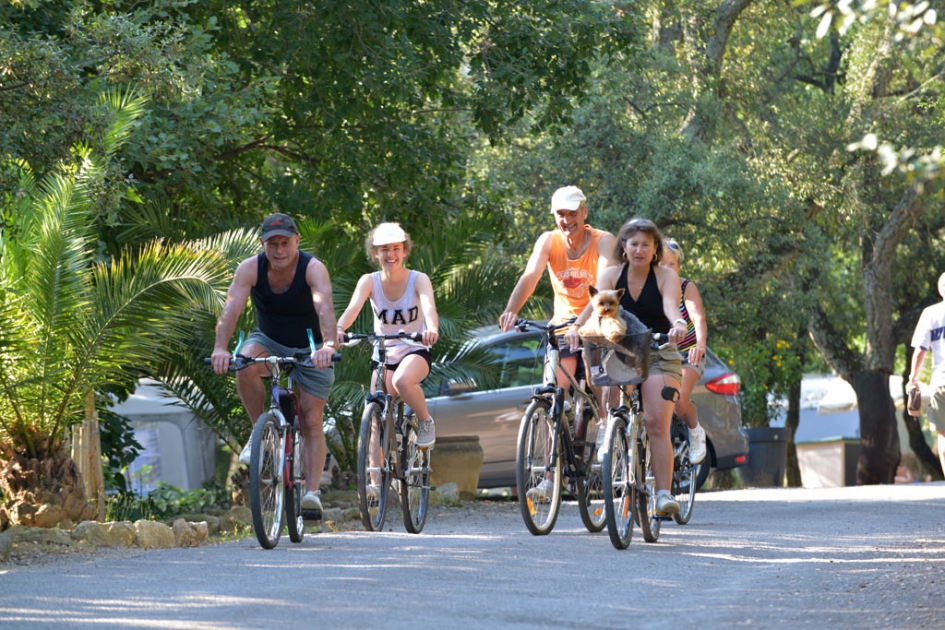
{"x": 606, "y": 303}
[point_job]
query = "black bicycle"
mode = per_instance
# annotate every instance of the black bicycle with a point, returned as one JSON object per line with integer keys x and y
{"x": 629, "y": 488}
{"x": 387, "y": 449}
{"x": 549, "y": 452}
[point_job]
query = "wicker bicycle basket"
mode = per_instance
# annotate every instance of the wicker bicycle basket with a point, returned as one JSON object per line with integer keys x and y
{"x": 625, "y": 361}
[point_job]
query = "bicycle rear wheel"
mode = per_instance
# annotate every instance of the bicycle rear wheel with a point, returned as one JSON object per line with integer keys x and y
{"x": 538, "y": 470}
{"x": 684, "y": 472}
{"x": 591, "y": 501}
{"x": 295, "y": 471}
{"x": 373, "y": 471}
{"x": 415, "y": 487}
{"x": 646, "y": 492}
{"x": 266, "y": 481}
{"x": 619, "y": 483}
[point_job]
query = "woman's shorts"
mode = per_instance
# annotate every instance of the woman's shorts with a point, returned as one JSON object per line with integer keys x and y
{"x": 699, "y": 368}
{"x": 423, "y": 353}
{"x": 316, "y": 382}
{"x": 936, "y": 410}
{"x": 667, "y": 362}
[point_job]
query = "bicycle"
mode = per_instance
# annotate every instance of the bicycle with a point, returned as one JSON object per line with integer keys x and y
{"x": 547, "y": 450}
{"x": 387, "y": 449}
{"x": 276, "y": 470}
{"x": 629, "y": 488}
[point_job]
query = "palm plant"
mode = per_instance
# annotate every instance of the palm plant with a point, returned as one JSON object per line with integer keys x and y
{"x": 72, "y": 325}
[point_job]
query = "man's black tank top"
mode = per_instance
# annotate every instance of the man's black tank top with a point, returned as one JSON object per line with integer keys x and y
{"x": 284, "y": 317}
{"x": 649, "y": 308}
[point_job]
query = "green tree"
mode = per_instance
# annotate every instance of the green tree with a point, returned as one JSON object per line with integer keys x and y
{"x": 74, "y": 325}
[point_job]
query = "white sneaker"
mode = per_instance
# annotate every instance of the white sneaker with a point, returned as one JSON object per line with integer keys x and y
{"x": 312, "y": 500}
{"x": 542, "y": 492}
{"x": 426, "y": 433}
{"x": 666, "y": 505}
{"x": 696, "y": 445}
{"x": 247, "y": 452}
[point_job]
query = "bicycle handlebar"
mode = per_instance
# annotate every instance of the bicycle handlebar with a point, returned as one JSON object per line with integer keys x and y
{"x": 414, "y": 337}
{"x": 523, "y": 325}
{"x": 240, "y": 362}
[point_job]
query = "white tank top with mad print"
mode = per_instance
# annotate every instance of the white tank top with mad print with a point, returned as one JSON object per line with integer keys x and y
{"x": 394, "y": 316}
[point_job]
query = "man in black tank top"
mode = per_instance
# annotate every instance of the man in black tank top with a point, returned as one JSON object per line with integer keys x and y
{"x": 291, "y": 292}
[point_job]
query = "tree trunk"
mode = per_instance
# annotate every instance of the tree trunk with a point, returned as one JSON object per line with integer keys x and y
{"x": 793, "y": 419}
{"x": 879, "y": 439}
{"x": 926, "y": 458}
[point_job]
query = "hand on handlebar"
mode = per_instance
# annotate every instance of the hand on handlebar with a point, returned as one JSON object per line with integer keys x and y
{"x": 321, "y": 358}
{"x": 507, "y": 321}
{"x": 220, "y": 359}
{"x": 430, "y": 337}
{"x": 573, "y": 338}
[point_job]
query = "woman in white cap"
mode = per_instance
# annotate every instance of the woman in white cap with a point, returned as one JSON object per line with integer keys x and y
{"x": 402, "y": 300}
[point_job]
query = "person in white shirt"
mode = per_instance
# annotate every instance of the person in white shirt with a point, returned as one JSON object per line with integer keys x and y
{"x": 929, "y": 336}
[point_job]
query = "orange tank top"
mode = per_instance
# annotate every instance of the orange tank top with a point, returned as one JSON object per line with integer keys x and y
{"x": 571, "y": 278}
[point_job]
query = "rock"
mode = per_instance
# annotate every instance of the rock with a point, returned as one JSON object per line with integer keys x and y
{"x": 150, "y": 534}
{"x": 213, "y": 522}
{"x": 353, "y": 514}
{"x": 5, "y": 545}
{"x": 240, "y": 516}
{"x": 335, "y": 515}
{"x": 458, "y": 459}
{"x": 91, "y": 534}
{"x": 23, "y": 534}
{"x": 121, "y": 534}
{"x": 189, "y": 534}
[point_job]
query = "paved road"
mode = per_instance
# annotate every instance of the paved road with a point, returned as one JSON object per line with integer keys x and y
{"x": 849, "y": 557}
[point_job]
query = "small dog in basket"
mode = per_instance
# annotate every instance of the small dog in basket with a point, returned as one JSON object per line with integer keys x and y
{"x": 610, "y": 320}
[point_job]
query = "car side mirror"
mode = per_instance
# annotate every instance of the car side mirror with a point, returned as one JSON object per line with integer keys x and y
{"x": 456, "y": 388}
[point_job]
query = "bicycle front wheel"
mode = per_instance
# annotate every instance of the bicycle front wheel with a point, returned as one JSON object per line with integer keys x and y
{"x": 266, "y": 480}
{"x": 591, "y": 501}
{"x": 646, "y": 493}
{"x": 538, "y": 470}
{"x": 295, "y": 473}
{"x": 684, "y": 472}
{"x": 415, "y": 487}
{"x": 619, "y": 483}
{"x": 373, "y": 469}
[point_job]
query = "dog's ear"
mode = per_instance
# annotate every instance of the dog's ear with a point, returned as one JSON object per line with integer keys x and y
{"x": 592, "y": 290}
{"x": 619, "y": 294}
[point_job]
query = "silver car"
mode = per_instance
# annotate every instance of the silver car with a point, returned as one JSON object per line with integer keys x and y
{"x": 461, "y": 408}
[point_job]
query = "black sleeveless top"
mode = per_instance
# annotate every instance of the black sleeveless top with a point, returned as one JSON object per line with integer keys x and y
{"x": 649, "y": 308}
{"x": 284, "y": 317}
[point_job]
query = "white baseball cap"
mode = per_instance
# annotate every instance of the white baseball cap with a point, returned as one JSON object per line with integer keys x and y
{"x": 567, "y": 198}
{"x": 387, "y": 233}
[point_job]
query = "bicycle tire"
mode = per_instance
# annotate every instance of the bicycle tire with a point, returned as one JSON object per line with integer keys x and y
{"x": 684, "y": 472}
{"x": 415, "y": 487}
{"x": 646, "y": 492}
{"x": 373, "y": 434}
{"x": 531, "y": 464}
{"x": 620, "y": 490}
{"x": 591, "y": 490}
{"x": 266, "y": 481}
{"x": 295, "y": 469}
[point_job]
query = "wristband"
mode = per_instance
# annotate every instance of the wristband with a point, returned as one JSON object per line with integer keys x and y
{"x": 681, "y": 321}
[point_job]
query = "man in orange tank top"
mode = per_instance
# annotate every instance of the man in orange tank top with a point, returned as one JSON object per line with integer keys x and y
{"x": 573, "y": 253}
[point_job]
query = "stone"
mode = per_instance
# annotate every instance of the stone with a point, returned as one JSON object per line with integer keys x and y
{"x": 91, "y": 534}
{"x": 23, "y": 534}
{"x": 458, "y": 459}
{"x": 5, "y": 546}
{"x": 121, "y": 534}
{"x": 239, "y": 516}
{"x": 335, "y": 515}
{"x": 151, "y": 535}
{"x": 186, "y": 534}
{"x": 213, "y": 522}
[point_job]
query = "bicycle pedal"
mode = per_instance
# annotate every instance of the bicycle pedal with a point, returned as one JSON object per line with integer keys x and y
{"x": 311, "y": 515}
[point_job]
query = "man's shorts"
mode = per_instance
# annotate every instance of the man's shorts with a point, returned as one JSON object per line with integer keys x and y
{"x": 666, "y": 362}
{"x": 699, "y": 368}
{"x": 564, "y": 351}
{"x": 936, "y": 410}
{"x": 316, "y": 382}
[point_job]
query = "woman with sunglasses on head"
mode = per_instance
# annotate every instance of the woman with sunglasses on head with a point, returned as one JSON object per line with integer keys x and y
{"x": 652, "y": 293}
{"x": 692, "y": 349}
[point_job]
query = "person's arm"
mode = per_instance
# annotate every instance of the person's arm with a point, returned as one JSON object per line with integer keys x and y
{"x": 236, "y": 296}
{"x": 527, "y": 282}
{"x": 697, "y": 314}
{"x": 361, "y": 294}
{"x": 671, "y": 290}
{"x": 918, "y": 358}
{"x": 606, "y": 252}
{"x": 428, "y": 306}
{"x": 318, "y": 280}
